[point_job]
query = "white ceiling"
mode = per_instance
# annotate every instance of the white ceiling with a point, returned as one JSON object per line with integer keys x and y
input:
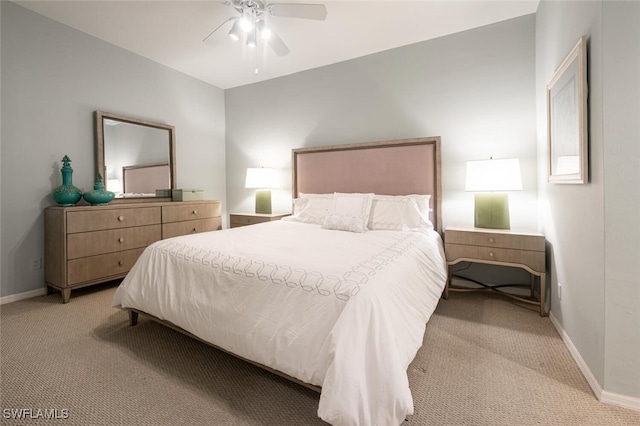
{"x": 171, "y": 32}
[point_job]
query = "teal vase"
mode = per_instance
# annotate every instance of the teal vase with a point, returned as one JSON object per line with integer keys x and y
{"x": 66, "y": 194}
{"x": 99, "y": 196}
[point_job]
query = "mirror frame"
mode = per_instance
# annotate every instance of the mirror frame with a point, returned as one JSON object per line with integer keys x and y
{"x": 100, "y": 116}
{"x": 567, "y": 116}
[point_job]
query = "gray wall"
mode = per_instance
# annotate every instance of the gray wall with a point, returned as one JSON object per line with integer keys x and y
{"x": 475, "y": 89}
{"x": 573, "y": 215}
{"x": 1, "y": 250}
{"x": 621, "y": 129}
{"x": 593, "y": 230}
{"x": 53, "y": 78}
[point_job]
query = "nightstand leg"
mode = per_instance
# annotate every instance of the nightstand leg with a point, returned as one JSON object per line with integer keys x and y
{"x": 533, "y": 283}
{"x": 543, "y": 294}
{"x": 445, "y": 293}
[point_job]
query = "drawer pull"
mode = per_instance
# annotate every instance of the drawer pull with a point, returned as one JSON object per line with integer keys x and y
{"x": 490, "y": 254}
{"x": 121, "y": 240}
{"x": 120, "y": 218}
{"x": 120, "y": 262}
{"x": 195, "y": 212}
{"x": 491, "y": 240}
{"x": 195, "y": 229}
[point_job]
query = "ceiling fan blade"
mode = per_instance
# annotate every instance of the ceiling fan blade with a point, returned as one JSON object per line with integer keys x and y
{"x": 299, "y": 10}
{"x": 218, "y": 34}
{"x": 277, "y": 44}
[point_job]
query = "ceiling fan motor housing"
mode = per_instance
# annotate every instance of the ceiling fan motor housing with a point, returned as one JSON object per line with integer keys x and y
{"x": 254, "y": 7}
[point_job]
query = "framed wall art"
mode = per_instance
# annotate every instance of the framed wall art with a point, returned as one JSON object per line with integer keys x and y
{"x": 567, "y": 127}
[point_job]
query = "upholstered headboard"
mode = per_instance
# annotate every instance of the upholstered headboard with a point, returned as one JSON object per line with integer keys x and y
{"x": 399, "y": 167}
{"x": 146, "y": 178}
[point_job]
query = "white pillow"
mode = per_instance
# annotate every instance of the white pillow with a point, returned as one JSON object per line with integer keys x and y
{"x": 400, "y": 213}
{"x": 423, "y": 204}
{"x": 350, "y": 212}
{"x": 311, "y": 208}
{"x": 328, "y": 195}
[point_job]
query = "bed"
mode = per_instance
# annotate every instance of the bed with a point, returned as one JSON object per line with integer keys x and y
{"x": 336, "y": 297}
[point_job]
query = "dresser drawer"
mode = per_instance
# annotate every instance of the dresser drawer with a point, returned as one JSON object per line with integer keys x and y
{"x": 101, "y": 266}
{"x": 181, "y": 212}
{"x": 86, "y": 244}
{"x": 502, "y": 240}
{"x": 176, "y": 229}
{"x": 96, "y": 220}
{"x": 533, "y": 259}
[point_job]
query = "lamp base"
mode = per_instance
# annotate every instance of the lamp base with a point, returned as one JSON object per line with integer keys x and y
{"x": 263, "y": 201}
{"x": 492, "y": 211}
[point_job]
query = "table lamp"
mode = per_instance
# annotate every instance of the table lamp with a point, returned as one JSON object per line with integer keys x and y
{"x": 262, "y": 179}
{"x": 488, "y": 179}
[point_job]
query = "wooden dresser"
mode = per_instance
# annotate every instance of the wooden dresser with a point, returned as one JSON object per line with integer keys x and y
{"x": 87, "y": 245}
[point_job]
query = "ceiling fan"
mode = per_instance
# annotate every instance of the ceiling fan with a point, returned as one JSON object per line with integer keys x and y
{"x": 253, "y": 22}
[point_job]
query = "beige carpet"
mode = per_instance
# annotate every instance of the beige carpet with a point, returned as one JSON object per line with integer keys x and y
{"x": 484, "y": 361}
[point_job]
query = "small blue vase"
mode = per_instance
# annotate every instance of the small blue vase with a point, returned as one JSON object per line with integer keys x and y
{"x": 99, "y": 196}
{"x": 66, "y": 194}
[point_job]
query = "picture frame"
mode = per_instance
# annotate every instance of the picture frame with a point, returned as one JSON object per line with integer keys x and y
{"x": 567, "y": 120}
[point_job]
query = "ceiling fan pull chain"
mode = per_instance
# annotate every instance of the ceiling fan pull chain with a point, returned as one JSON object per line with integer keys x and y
{"x": 255, "y": 35}
{"x": 257, "y": 47}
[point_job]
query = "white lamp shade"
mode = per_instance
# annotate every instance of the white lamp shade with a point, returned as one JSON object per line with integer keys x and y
{"x": 494, "y": 175}
{"x": 261, "y": 178}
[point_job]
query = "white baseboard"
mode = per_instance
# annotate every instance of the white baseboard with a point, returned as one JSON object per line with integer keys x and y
{"x": 22, "y": 296}
{"x": 606, "y": 397}
{"x": 586, "y": 372}
{"x": 621, "y": 400}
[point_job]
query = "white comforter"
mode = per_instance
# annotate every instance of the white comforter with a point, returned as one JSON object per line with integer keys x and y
{"x": 335, "y": 309}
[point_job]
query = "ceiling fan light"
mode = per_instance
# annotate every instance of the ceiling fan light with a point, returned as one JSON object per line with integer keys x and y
{"x": 265, "y": 31}
{"x": 246, "y": 21}
{"x": 251, "y": 39}
{"x": 235, "y": 31}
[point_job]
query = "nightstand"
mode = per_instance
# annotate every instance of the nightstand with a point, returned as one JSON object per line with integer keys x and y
{"x": 244, "y": 219}
{"x": 505, "y": 247}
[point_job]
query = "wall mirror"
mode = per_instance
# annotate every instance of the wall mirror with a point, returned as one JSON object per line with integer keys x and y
{"x": 567, "y": 119}
{"x": 136, "y": 158}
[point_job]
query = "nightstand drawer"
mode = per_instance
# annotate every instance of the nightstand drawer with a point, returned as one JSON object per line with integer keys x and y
{"x": 533, "y": 259}
{"x": 237, "y": 220}
{"x": 244, "y": 219}
{"x": 501, "y": 240}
